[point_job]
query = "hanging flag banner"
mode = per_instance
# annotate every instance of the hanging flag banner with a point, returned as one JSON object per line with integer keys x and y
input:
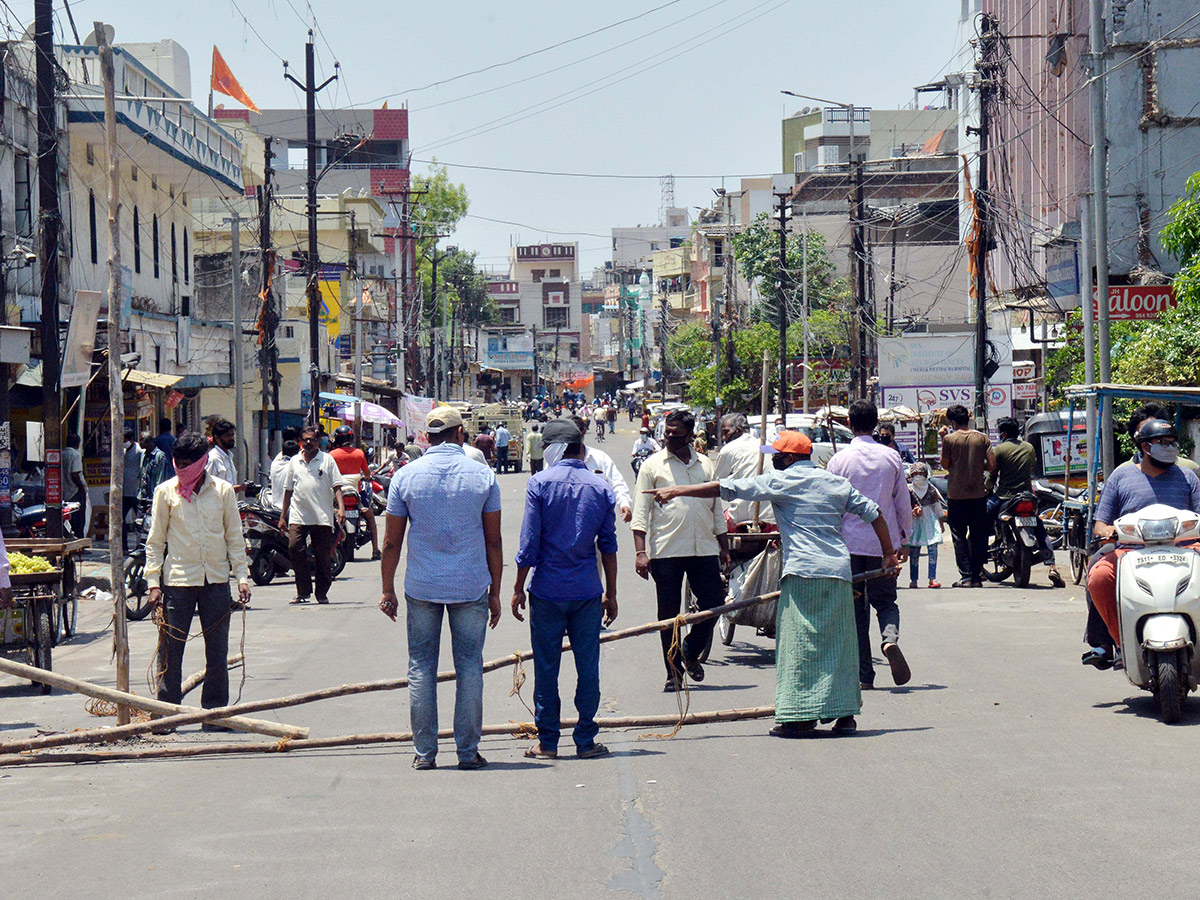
{"x": 223, "y": 82}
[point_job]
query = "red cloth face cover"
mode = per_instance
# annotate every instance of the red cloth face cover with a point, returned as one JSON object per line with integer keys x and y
{"x": 189, "y": 477}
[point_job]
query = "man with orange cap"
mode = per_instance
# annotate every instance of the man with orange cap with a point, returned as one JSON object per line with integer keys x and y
{"x": 816, "y": 650}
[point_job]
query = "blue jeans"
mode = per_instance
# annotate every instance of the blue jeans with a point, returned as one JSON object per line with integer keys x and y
{"x": 914, "y": 558}
{"x": 468, "y": 626}
{"x": 579, "y": 620}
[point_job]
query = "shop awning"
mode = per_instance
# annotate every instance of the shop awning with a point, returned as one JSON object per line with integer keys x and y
{"x": 151, "y": 379}
{"x": 337, "y": 398}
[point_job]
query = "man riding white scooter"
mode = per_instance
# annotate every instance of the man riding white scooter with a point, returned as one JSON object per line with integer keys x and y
{"x": 1155, "y": 479}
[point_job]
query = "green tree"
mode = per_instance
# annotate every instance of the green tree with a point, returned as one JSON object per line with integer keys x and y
{"x": 435, "y": 214}
{"x": 756, "y": 250}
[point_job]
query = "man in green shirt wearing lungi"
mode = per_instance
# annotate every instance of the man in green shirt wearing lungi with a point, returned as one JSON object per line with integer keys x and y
{"x": 816, "y": 642}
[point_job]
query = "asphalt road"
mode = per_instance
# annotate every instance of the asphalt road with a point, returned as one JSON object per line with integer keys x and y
{"x": 1004, "y": 769}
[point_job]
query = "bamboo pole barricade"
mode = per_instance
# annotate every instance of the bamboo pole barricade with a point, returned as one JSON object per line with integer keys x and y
{"x": 515, "y": 729}
{"x": 75, "y": 686}
{"x": 196, "y": 679}
{"x": 296, "y": 737}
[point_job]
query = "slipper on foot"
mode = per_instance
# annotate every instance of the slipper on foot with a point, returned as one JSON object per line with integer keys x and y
{"x": 593, "y": 752}
{"x": 536, "y": 752}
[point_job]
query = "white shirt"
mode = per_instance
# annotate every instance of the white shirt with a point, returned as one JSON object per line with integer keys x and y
{"x": 195, "y": 541}
{"x": 72, "y": 461}
{"x": 602, "y": 464}
{"x": 311, "y": 483}
{"x": 220, "y": 465}
{"x": 686, "y": 526}
{"x": 474, "y": 453}
{"x": 645, "y": 442}
{"x": 739, "y": 459}
{"x": 278, "y": 467}
{"x": 502, "y": 436}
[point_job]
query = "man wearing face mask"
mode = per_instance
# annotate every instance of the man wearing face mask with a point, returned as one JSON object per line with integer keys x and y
{"x": 1155, "y": 479}
{"x": 602, "y": 464}
{"x": 816, "y": 643}
{"x": 683, "y": 537}
{"x": 887, "y": 437}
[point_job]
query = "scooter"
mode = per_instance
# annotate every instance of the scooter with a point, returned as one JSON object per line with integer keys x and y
{"x": 1158, "y": 602}
{"x": 358, "y": 532}
{"x": 638, "y": 458}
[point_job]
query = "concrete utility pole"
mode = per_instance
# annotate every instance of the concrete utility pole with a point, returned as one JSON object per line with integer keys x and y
{"x": 239, "y": 414}
{"x": 49, "y": 227}
{"x": 1089, "y": 323}
{"x": 804, "y": 290}
{"x": 116, "y": 509}
{"x": 987, "y": 45}
{"x": 311, "y": 89}
{"x": 1098, "y": 45}
{"x": 781, "y": 300}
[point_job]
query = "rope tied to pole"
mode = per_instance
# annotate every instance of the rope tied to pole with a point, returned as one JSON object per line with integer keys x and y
{"x": 519, "y": 682}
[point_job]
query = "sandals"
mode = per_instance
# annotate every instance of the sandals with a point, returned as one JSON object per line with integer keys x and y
{"x": 536, "y": 752}
{"x": 593, "y": 752}
{"x": 1056, "y": 579}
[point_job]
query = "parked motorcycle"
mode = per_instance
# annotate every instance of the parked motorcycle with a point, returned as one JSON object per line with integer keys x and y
{"x": 31, "y": 518}
{"x": 1015, "y": 542}
{"x": 268, "y": 544}
{"x": 1158, "y": 601}
{"x": 137, "y": 604}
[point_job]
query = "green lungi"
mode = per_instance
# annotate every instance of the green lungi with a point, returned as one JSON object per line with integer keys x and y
{"x": 816, "y": 650}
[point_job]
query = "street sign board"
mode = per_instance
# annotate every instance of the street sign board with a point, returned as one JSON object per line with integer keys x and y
{"x": 1131, "y": 302}
{"x": 1025, "y": 390}
{"x": 1023, "y": 371}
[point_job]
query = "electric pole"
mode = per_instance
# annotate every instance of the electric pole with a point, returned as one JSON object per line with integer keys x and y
{"x": 859, "y": 269}
{"x": 804, "y": 291}
{"x": 268, "y": 317}
{"x": 781, "y": 295}
{"x": 987, "y": 46}
{"x": 49, "y": 227}
{"x": 311, "y": 89}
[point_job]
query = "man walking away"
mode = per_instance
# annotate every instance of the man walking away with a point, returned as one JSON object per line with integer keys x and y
{"x": 967, "y": 456}
{"x": 311, "y": 486}
{"x": 1012, "y": 477}
{"x": 533, "y": 448}
{"x": 74, "y": 486}
{"x": 815, "y": 652}
{"x": 195, "y": 542}
{"x": 568, "y": 517}
{"x": 486, "y": 444}
{"x": 739, "y": 458}
{"x": 503, "y": 438}
{"x": 875, "y": 471}
{"x": 684, "y": 537}
{"x": 130, "y": 481}
{"x": 451, "y": 506}
{"x": 291, "y": 446}
{"x": 603, "y": 465}
{"x": 166, "y": 443}
{"x": 610, "y": 413}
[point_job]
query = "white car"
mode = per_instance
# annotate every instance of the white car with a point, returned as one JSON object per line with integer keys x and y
{"x": 827, "y": 438}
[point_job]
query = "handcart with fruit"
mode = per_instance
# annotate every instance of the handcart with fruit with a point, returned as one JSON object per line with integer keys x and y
{"x": 45, "y": 606}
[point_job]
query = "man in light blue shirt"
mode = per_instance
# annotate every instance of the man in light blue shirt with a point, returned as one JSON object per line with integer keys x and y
{"x": 454, "y": 566}
{"x": 816, "y": 647}
{"x": 503, "y": 439}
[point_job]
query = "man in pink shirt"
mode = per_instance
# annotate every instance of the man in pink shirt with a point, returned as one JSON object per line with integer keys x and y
{"x": 877, "y": 472}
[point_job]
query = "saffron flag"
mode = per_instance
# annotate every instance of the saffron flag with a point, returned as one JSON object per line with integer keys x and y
{"x": 223, "y": 82}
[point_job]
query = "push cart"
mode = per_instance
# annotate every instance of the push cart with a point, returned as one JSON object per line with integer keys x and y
{"x": 28, "y": 625}
{"x": 67, "y": 558}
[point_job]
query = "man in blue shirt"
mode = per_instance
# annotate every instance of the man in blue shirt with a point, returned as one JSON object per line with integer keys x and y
{"x": 454, "y": 566}
{"x": 568, "y": 516}
{"x": 503, "y": 437}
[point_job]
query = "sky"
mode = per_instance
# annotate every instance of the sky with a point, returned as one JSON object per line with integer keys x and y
{"x": 688, "y": 87}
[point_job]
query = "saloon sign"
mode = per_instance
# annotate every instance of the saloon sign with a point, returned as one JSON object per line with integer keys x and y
{"x": 1137, "y": 302}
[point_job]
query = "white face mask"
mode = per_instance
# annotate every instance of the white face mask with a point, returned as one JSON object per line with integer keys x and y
{"x": 553, "y": 453}
{"x": 920, "y": 483}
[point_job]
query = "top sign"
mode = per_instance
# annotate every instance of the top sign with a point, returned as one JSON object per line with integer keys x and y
{"x": 536, "y": 252}
{"x": 1137, "y": 302}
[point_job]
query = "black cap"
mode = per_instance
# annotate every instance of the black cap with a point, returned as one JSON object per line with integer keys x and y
{"x": 561, "y": 431}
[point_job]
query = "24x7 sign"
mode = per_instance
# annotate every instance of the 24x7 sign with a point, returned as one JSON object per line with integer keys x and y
{"x": 1137, "y": 302}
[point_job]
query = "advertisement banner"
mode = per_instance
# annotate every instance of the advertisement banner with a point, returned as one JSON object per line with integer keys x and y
{"x": 81, "y": 337}
{"x": 415, "y": 411}
{"x": 1054, "y": 453}
{"x": 926, "y": 398}
{"x": 330, "y": 312}
{"x": 508, "y": 361}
